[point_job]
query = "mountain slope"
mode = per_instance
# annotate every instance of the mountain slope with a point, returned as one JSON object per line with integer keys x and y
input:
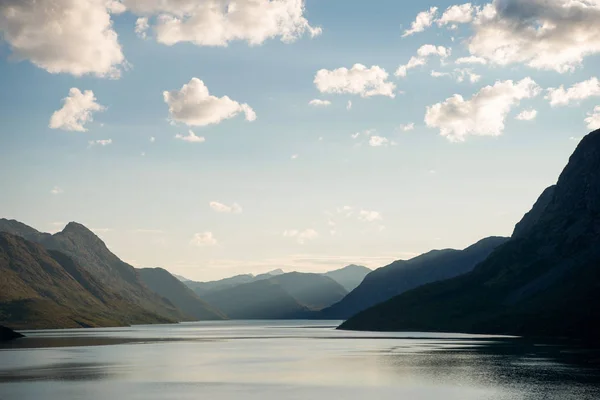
{"x": 401, "y": 276}
{"x": 350, "y": 276}
{"x": 545, "y": 281}
{"x": 43, "y": 289}
{"x": 162, "y": 282}
{"x": 262, "y": 299}
{"x": 202, "y": 288}
{"x": 284, "y": 296}
{"x": 119, "y": 280}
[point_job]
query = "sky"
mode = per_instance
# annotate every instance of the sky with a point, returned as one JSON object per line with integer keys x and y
{"x": 220, "y": 137}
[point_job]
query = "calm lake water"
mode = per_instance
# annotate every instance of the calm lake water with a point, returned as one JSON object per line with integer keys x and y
{"x": 288, "y": 360}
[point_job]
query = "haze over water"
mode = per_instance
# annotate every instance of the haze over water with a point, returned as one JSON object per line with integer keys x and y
{"x": 287, "y": 360}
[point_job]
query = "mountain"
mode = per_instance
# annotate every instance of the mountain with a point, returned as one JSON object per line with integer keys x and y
{"x": 350, "y": 276}
{"x": 544, "y": 282}
{"x": 46, "y": 289}
{"x": 8, "y": 334}
{"x": 181, "y": 278}
{"x": 285, "y": 296}
{"x": 202, "y": 288}
{"x": 168, "y": 286}
{"x": 116, "y": 282}
{"x": 401, "y": 276}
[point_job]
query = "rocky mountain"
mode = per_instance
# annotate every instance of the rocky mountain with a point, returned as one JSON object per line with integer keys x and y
{"x": 350, "y": 276}
{"x": 403, "y": 275}
{"x": 47, "y": 289}
{"x": 544, "y": 282}
{"x": 114, "y": 281}
{"x": 168, "y": 286}
{"x": 285, "y": 296}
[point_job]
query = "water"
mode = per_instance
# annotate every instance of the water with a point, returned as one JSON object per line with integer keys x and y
{"x": 288, "y": 360}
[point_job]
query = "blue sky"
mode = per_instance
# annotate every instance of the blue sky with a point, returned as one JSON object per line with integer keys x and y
{"x": 312, "y": 197}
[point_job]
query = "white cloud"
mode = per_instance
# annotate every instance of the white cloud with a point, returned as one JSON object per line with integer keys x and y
{"x": 527, "y": 115}
{"x": 224, "y": 208}
{"x": 457, "y": 14}
{"x": 369, "y": 216}
{"x": 152, "y": 139}
{"x": 100, "y": 142}
{"x": 319, "y": 103}
{"x": 204, "y": 239}
{"x": 63, "y": 36}
{"x": 593, "y": 119}
{"x": 56, "y": 190}
{"x": 218, "y": 22}
{"x": 471, "y": 60}
{"x": 191, "y": 137}
{"x": 76, "y": 111}
{"x": 359, "y": 79}
{"x": 543, "y": 34}
{"x": 141, "y": 27}
{"x": 423, "y": 21}
{"x": 579, "y": 91}
{"x": 484, "y": 114}
{"x": 459, "y": 74}
{"x": 407, "y": 127}
{"x": 437, "y": 74}
{"x": 349, "y": 105}
{"x": 301, "y": 236}
{"x": 378, "y": 141}
{"x": 194, "y": 106}
{"x": 423, "y": 54}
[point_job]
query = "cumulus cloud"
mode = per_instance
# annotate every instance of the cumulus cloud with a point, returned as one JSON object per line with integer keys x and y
{"x": 579, "y": 91}
{"x": 423, "y": 54}
{"x": 224, "y": 208}
{"x": 593, "y": 119}
{"x": 423, "y": 21}
{"x": 543, "y": 34}
{"x": 56, "y": 190}
{"x": 471, "y": 60}
{"x": 64, "y": 36}
{"x": 100, "y": 142}
{"x": 218, "y": 22}
{"x": 76, "y": 111}
{"x": 204, "y": 239}
{"x": 407, "y": 127}
{"x": 141, "y": 27}
{"x": 369, "y": 216}
{"x": 359, "y": 79}
{"x": 459, "y": 74}
{"x": 527, "y": 115}
{"x": 378, "y": 141}
{"x": 194, "y": 106}
{"x": 457, "y": 14}
{"x": 191, "y": 137}
{"x": 301, "y": 236}
{"x": 484, "y": 114}
{"x": 319, "y": 103}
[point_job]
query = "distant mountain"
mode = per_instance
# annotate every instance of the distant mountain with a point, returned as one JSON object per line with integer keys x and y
{"x": 8, "y": 334}
{"x": 350, "y": 276}
{"x": 115, "y": 281}
{"x": 162, "y": 282}
{"x": 401, "y": 276}
{"x": 544, "y": 282}
{"x": 285, "y": 296}
{"x": 202, "y": 288}
{"x": 46, "y": 289}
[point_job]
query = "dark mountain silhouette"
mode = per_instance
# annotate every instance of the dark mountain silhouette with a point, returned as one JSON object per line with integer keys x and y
{"x": 8, "y": 334}
{"x": 168, "y": 286}
{"x": 350, "y": 276}
{"x": 285, "y": 296}
{"x": 401, "y": 276}
{"x": 114, "y": 281}
{"x": 46, "y": 289}
{"x": 202, "y": 288}
{"x": 544, "y": 282}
